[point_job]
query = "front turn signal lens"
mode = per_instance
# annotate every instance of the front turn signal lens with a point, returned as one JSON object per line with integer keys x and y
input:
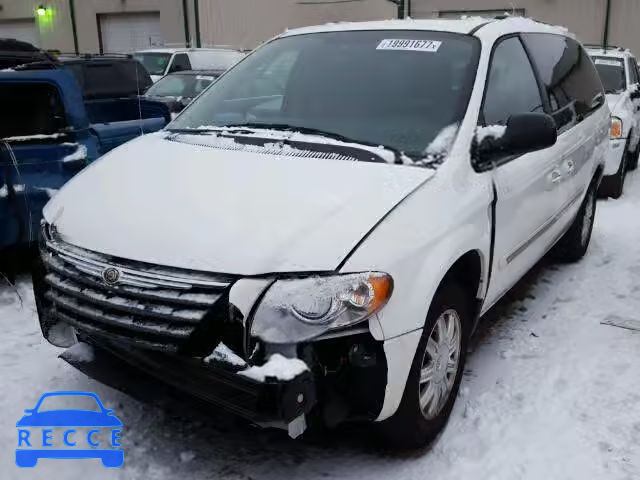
{"x": 616, "y": 128}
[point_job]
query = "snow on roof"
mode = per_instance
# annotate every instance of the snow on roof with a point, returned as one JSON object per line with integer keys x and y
{"x": 502, "y": 26}
{"x": 443, "y": 25}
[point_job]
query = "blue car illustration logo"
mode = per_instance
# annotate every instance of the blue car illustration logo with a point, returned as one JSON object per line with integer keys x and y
{"x": 36, "y": 437}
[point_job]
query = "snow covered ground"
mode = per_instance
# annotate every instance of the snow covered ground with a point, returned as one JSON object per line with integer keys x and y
{"x": 549, "y": 392}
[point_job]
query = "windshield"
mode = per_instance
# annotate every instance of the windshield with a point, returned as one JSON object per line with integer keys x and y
{"x": 612, "y": 74}
{"x": 155, "y": 63}
{"x": 180, "y": 85}
{"x": 398, "y": 89}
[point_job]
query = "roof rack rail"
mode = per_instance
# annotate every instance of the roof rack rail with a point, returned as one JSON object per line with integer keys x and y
{"x": 94, "y": 55}
{"x": 604, "y": 47}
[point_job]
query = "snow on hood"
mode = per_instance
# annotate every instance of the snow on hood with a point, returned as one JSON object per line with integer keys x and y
{"x": 197, "y": 207}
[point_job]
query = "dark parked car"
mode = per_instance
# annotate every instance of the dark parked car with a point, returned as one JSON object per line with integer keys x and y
{"x": 178, "y": 89}
{"x": 65, "y": 113}
{"x": 14, "y": 52}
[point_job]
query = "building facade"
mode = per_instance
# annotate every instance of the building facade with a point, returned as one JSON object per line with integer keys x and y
{"x": 127, "y": 25}
{"x": 111, "y": 26}
{"x": 591, "y": 20}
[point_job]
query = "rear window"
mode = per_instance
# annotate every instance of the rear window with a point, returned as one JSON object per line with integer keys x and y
{"x": 36, "y": 109}
{"x": 215, "y": 60}
{"x": 181, "y": 85}
{"x": 155, "y": 63}
{"x": 110, "y": 79}
{"x": 570, "y": 80}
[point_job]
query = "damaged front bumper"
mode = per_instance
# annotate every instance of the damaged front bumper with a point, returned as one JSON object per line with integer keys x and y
{"x": 165, "y": 323}
{"x": 274, "y": 402}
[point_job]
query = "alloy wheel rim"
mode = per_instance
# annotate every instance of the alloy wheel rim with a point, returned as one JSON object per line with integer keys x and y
{"x": 440, "y": 363}
{"x": 588, "y": 219}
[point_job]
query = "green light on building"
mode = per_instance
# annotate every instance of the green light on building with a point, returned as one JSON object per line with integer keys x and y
{"x": 44, "y": 17}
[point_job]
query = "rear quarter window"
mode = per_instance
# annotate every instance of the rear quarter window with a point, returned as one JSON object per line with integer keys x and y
{"x": 570, "y": 80}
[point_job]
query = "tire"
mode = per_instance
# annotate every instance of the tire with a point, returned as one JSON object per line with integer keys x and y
{"x": 617, "y": 187}
{"x": 633, "y": 159}
{"x": 574, "y": 243}
{"x": 409, "y": 427}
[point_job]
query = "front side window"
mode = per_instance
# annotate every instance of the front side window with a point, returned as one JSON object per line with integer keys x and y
{"x": 391, "y": 88}
{"x": 570, "y": 80}
{"x": 511, "y": 86}
{"x": 611, "y": 71}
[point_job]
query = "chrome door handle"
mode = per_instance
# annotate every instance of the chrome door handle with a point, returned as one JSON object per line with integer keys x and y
{"x": 556, "y": 176}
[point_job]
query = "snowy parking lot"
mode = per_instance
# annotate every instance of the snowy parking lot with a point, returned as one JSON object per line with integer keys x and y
{"x": 549, "y": 391}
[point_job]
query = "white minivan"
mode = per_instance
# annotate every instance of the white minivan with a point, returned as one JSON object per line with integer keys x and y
{"x": 316, "y": 236}
{"x": 162, "y": 61}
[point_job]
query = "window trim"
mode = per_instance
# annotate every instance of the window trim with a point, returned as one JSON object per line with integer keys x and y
{"x": 498, "y": 162}
{"x": 630, "y": 67}
{"x": 583, "y": 52}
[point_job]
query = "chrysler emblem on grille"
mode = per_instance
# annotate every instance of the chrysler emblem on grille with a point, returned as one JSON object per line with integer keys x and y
{"x": 111, "y": 275}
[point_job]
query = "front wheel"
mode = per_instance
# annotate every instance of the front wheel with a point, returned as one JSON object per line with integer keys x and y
{"x": 436, "y": 372}
{"x": 575, "y": 242}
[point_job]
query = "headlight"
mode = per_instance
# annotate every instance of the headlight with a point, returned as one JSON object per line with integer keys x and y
{"x": 296, "y": 310}
{"x": 616, "y": 127}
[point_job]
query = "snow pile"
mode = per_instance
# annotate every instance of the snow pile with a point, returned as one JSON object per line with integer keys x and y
{"x": 442, "y": 143}
{"x": 51, "y": 192}
{"x": 224, "y": 354}
{"x": 493, "y": 131}
{"x": 26, "y": 138}
{"x": 4, "y": 190}
{"x": 278, "y": 367}
{"x": 79, "y": 154}
{"x": 81, "y": 352}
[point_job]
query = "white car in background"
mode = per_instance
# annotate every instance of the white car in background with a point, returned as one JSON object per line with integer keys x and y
{"x": 315, "y": 237}
{"x": 620, "y": 77}
{"x": 162, "y": 61}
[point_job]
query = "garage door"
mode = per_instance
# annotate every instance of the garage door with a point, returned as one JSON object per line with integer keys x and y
{"x": 24, "y": 30}
{"x": 127, "y": 32}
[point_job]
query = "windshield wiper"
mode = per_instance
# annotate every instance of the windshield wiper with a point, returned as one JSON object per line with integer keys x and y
{"x": 314, "y": 131}
{"x": 193, "y": 131}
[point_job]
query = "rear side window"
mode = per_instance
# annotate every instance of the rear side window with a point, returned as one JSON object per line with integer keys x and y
{"x": 36, "y": 109}
{"x": 180, "y": 63}
{"x": 512, "y": 87}
{"x": 110, "y": 79}
{"x": 570, "y": 79}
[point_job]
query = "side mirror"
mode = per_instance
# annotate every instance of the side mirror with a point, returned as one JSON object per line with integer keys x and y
{"x": 635, "y": 94}
{"x": 525, "y": 132}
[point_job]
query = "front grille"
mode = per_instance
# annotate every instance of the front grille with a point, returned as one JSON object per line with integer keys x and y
{"x": 149, "y": 306}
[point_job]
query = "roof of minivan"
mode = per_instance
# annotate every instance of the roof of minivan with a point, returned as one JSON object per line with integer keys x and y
{"x": 503, "y": 26}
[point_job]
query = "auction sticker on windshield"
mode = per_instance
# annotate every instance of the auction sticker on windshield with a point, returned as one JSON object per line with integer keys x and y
{"x": 430, "y": 46}
{"x": 610, "y": 63}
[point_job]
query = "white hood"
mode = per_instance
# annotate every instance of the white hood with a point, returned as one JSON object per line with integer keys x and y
{"x": 197, "y": 207}
{"x": 613, "y": 99}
